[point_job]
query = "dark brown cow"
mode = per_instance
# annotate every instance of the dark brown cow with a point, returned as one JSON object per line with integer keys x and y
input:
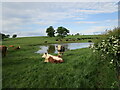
{"x": 11, "y": 46}
{"x": 3, "y": 50}
{"x": 16, "y": 48}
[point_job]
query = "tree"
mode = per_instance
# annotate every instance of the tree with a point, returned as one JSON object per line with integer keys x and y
{"x": 77, "y": 34}
{"x": 14, "y": 36}
{"x": 2, "y": 36}
{"x": 62, "y": 32}
{"x": 7, "y": 36}
{"x": 50, "y": 32}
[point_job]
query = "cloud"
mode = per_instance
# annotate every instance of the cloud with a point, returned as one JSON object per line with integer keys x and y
{"x": 33, "y": 33}
{"x": 86, "y": 22}
{"x": 38, "y": 32}
{"x": 0, "y": 16}
{"x": 24, "y": 17}
{"x": 60, "y": 0}
{"x": 97, "y": 8}
{"x": 111, "y": 20}
{"x": 96, "y": 29}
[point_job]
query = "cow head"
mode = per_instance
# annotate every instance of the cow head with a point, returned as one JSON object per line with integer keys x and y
{"x": 18, "y": 46}
{"x": 44, "y": 55}
{"x": 58, "y": 47}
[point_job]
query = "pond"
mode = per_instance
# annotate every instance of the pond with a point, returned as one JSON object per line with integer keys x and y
{"x": 51, "y": 48}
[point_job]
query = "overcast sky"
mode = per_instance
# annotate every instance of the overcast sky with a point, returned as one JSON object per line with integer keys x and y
{"x": 32, "y": 18}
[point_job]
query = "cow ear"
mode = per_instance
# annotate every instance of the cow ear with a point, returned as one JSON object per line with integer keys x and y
{"x": 46, "y": 53}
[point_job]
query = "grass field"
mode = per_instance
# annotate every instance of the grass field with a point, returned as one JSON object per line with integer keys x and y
{"x": 82, "y": 68}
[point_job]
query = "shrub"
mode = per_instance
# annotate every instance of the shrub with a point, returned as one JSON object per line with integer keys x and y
{"x": 109, "y": 47}
{"x": 89, "y": 40}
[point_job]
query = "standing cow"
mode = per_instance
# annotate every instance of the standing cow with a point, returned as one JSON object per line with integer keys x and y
{"x": 3, "y": 50}
{"x": 60, "y": 49}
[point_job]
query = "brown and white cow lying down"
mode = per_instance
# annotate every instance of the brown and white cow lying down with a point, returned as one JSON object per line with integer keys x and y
{"x": 3, "y": 50}
{"x": 60, "y": 49}
{"x": 52, "y": 59}
{"x": 16, "y": 48}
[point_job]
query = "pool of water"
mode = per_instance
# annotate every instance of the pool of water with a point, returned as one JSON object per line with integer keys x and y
{"x": 51, "y": 48}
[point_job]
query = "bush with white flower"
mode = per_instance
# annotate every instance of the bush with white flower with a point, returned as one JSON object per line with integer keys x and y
{"x": 110, "y": 48}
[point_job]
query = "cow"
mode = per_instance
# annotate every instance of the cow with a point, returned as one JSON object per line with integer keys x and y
{"x": 3, "y": 50}
{"x": 16, "y": 48}
{"x": 11, "y": 46}
{"x": 46, "y": 42}
{"x": 60, "y": 49}
{"x": 52, "y": 59}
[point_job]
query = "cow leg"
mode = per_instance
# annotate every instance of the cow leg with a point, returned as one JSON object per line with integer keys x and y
{"x": 62, "y": 53}
{"x": 3, "y": 54}
{"x": 46, "y": 60}
{"x": 59, "y": 53}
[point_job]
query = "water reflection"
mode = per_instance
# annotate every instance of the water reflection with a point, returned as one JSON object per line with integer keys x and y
{"x": 51, "y": 48}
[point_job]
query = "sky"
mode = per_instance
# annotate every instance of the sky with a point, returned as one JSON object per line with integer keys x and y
{"x": 33, "y": 18}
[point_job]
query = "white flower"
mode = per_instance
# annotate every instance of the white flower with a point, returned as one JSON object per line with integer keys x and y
{"x": 116, "y": 45}
{"x": 102, "y": 55}
{"x": 103, "y": 49}
{"x": 107, "y": 52}
{"x": 115, "y": 41}
{"x": 93, "y": 50}
{"x": 92, "y": 46}
{"x": 103, "y": 43}
{"x": 111, "y": 61}
{"x": 118, "y": 51}
{"x": 108, "y": 40}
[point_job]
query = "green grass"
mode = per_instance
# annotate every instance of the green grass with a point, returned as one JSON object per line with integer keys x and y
{"x": 83, "y": 36}
{"x": 25, "y": 69}
{"x": 34, "y": 41}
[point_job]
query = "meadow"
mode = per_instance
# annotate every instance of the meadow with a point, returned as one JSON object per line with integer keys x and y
{"x": 82, "y": 67}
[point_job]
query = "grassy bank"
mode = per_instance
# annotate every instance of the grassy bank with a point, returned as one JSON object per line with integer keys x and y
{"x": 34, "y": 41}
{"x": 82, "y": 68}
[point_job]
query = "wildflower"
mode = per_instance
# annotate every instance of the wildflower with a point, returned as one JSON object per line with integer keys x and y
{"x": 116, "y": 45}
{"x": 107, "y": 52}
{"x": 96, "y": 48}
{"x": 111, "y": 61}
{"x": 116, "y": 41}
{"x": 103, "y": 49}
{"x": 108, "y": 40}
{"x": 91, "y": 46}
{"x": 93, "y": 50}
{"x": 118, "y": 51}
{"x": 102, "y": 55}
{"x": 103, "y": 40}
{"x": 103, "y": 43}
{"x": 113, "y": 37}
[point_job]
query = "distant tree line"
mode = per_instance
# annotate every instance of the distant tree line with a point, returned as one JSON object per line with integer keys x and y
{"x": 61, "y": 31}
{"x": 3, "y": 36}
